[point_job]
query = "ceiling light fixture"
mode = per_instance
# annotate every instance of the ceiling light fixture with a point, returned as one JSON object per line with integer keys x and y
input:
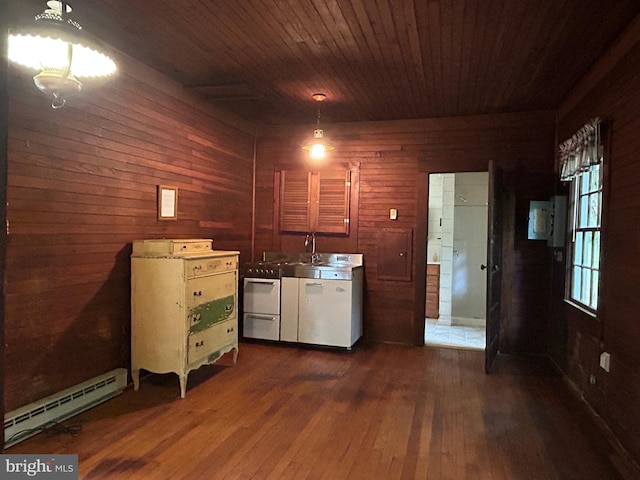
{"x": 58, "y": 47}
{"x": 318, "y": 146}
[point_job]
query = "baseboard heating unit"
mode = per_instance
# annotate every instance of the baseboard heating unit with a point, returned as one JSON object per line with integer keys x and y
{"x": 29, "y": 420}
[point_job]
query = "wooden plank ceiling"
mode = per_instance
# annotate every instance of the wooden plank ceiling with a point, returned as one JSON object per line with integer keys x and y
{"x": 374, "y": 59}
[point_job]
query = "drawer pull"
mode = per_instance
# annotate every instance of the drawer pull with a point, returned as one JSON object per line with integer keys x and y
{"x": 228, "y": 308}
{"x": 229, "y": 330}
{"x": 197, "y": 294}
{"x": 200, "y": 343}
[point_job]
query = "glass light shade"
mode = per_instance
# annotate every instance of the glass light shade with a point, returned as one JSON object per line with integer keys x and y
{"x": 52, "y": 55}
{"x": 57, "y": 47}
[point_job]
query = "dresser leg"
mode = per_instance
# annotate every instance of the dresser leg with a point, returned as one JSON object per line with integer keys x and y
{"x": 135, "y": 376}
{"x": 183, "y": 385}
{"x": 235, "y": 355}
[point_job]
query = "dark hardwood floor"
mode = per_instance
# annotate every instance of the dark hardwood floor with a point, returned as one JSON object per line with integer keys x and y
{"x": 379, "y": 412}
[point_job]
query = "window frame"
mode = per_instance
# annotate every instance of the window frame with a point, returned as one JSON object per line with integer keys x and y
{"x": 582, "y": 226}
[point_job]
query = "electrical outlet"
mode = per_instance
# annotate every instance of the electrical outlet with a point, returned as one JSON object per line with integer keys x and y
{"x": 605, "y": 361}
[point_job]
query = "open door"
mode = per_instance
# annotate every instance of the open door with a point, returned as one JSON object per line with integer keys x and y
{"x": 494, "y": 263}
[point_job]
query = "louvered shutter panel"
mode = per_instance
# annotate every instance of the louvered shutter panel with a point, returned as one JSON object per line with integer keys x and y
{"x": 294, "y": 201}
{"x": 332, "y": 212}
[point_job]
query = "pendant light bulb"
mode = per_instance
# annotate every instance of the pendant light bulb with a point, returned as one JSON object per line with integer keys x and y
{"x": 318, "y": 146}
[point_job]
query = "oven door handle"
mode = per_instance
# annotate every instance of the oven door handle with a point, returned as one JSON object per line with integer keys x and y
{"x": 260, "y": 280}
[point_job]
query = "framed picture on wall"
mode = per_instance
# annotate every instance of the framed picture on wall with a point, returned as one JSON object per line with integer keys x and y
{"x": 167, "y": 203}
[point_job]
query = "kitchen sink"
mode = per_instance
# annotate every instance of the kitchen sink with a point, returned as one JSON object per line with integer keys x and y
{"x": 335, "y": 266}
{"x": 329, "y": 272}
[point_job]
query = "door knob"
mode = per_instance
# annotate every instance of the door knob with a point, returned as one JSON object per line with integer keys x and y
{"x": 483, "y": 267}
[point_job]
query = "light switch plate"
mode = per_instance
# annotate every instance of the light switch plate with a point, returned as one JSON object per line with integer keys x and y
{"x": 393, "y": 214}
{"x": 605, "y": 361}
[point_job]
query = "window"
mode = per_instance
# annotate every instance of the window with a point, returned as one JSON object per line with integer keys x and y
{"x": 580, "y": 163}
{"x": 586, "y": 222}
{"x": 315, "y": 202}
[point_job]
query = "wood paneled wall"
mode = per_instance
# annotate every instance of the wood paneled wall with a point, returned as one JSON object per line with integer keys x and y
{"x": 611, "y": 91}
{"x": 82, "y": 186}
{"x": 395, "y": 159}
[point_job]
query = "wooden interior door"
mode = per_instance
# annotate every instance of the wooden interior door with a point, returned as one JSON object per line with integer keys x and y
{"x": 494, "y": 264}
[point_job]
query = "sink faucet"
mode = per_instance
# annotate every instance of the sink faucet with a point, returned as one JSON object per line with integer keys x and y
{"x": 311, "y": 240}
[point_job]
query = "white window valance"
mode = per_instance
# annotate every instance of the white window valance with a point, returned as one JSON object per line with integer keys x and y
{"x": 581, "y": 151}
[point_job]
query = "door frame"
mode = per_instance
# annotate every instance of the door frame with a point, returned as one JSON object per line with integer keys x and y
{"x": 420, "y": 247}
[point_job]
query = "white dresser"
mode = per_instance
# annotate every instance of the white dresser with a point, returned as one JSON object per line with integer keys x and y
{"x": 184, "y": 299}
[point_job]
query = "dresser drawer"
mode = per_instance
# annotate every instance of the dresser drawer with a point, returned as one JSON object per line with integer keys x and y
{"x": 208, "y": 314}
{"x": 212, "y": 339}
{"x": 161, "y": 247}
{"x": 205, "y": 289}
{"x": 198, "y": 267}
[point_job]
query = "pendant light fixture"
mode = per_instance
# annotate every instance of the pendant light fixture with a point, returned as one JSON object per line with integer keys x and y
{"x": 318, "y": 146}
{"x": 57, "y": 46}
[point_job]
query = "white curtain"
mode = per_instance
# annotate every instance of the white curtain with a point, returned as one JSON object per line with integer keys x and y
{"x": 581, "y": 151}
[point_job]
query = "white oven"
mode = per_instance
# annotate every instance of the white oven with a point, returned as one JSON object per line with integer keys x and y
{"x": 261, "y": 304}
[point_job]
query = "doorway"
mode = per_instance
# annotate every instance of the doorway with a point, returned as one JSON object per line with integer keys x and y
{"x": 456, "y": 253}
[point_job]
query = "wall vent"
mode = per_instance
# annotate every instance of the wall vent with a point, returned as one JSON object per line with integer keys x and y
{"x": 29, "y": 420}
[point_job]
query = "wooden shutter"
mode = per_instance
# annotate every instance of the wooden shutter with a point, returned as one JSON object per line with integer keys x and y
{"x": 332, "y": 202}
{"x": 295, "y": 201}
{"x": 315, "y": 202}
